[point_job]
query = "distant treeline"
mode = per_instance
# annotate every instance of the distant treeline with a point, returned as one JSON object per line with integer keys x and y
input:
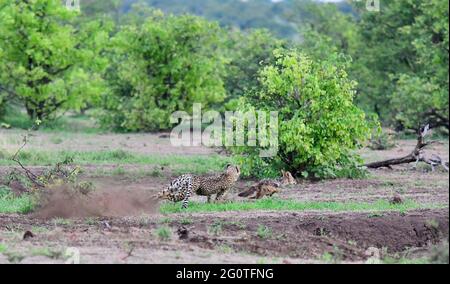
{"x": 330, "y": 75}
{"x": 399, "y": 54}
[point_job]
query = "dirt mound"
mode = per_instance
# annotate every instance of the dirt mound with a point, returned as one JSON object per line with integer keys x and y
{"x": 395, "y": 231}
{"x": 105, "y": 201}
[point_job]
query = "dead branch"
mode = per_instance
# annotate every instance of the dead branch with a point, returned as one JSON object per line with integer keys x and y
{"x": 32, "y": 177}
{"x": 417, "y": 155}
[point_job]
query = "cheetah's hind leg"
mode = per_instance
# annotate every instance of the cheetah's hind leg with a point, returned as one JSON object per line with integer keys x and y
{"x": 220, "y": 195}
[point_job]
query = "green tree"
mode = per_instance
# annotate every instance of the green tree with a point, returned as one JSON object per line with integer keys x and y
{"x": 45, "y": 63}
{"x": 248, "y": 53}
{"x": 93, "y": 9}
{"x": 421, "y": 96}
{"x": 328, "y": 32}
{"x": 404, "y": 62}
{"x": 163, "y": 66}
{"x": 319, "y": 126}
{"x": 324, "y": 21}
{"x": 251, "y": 14}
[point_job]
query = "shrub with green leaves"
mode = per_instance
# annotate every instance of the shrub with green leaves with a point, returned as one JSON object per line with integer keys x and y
{"x": 319, "y": 126}
{"x": 164, "y": 65}
{"x": 403, "y": 65}
{"x": 248, "y": 53}
{"x": 47, "y": 63}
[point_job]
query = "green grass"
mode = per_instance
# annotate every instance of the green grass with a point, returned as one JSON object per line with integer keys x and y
{"x": 273, "y": 204}
{"x": 178, "y": 163}
{"x": 163, "y": 233}
{"x": 3, "y": 248}
{"x": 17, "y": 118}
{"x": 14, "y": 256}
{"x": 11, "y": 204}
{"x": 47, "y": 252}
{"x": 26, "y": 204}
{"x": 62, "y": 222}
{"x": 264, "y": 232}
{"x": 390, "y": 260}
{"x": 215, "y": 229}
{"x": 186, "y": 221}
{"x": 56, "y": 140}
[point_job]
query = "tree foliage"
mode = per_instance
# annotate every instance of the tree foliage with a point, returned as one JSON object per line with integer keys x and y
{"x": 248, "y": 53}
{"x": 252, "y": 14}
{"x": 399, "y": 55}
{"x": 45, "y": 62}
{"x": 319, "y": 125}
{"x": 404, "y": 62}
{"x": 163, "y": 66}
{"x": 421, "y": 95}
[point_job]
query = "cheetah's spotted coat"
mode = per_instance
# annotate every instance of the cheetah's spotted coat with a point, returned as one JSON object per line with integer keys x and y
{"x": 182, "y": 187}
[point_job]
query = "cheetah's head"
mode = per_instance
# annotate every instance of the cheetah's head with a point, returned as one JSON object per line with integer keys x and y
{"x": 233, "y": 171}
{"x": 164, "y": 194}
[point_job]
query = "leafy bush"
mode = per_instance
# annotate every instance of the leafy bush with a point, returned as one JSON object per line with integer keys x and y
{"x": 405, "y": 77}
{"x": 162, "y": 66}
{"x": 319, "y": 125}
{"x": 47, "y": 63}
{"x": 248, "y": 53}
{"x": 418, "y": 101}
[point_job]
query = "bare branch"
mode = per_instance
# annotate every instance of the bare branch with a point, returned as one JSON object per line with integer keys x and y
{"x": 415, "y": 156}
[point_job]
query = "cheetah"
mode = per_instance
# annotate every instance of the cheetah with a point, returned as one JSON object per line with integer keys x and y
{"x": 182, "y": 187}
{"x": 268, "y": 186}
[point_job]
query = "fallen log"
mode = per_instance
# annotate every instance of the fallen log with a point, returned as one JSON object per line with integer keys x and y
{"x": 417, "y": 155}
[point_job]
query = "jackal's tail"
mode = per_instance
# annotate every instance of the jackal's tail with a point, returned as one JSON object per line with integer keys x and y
{"x": 248, "y": 192}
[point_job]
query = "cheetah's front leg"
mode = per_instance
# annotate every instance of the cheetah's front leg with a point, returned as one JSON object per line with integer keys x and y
{"x": 220, "y": 195}
{"x": 186, "y": 201}
{"x": 188, "y": 194}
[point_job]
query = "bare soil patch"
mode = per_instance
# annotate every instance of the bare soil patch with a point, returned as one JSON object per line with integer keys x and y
{"x": 141, "y": 143}
{"x": 293, "y": 237}
{"x": 119, "y": 222}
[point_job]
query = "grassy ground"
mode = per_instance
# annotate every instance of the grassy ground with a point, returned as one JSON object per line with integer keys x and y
{"x": 273, "y": 204}
{"x": 176, "y": 164}
{"x": 64, "y": 130}
{"x": 18, "y": 119}
{"x": 13, "y": 204}
{"x": 199, "y": 164}
{"x": 25, "y": 204}
{"x": 128, "y": 168}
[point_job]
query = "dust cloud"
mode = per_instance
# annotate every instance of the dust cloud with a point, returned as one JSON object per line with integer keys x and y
{"x": 105, "y": 201}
